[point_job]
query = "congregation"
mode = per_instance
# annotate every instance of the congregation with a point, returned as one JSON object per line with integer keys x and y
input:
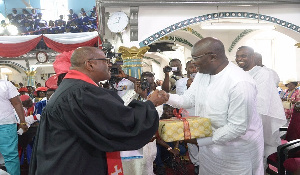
{"x": 32, "y": 23}
{"x": 241, "y": 100}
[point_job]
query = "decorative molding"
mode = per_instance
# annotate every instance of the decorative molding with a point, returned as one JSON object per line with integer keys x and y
{"x": 238, "y": 38}
{"x": 14, "y": 65}
{"x": 212, "y": 16}
{"x": 133, "y": 52}
{"x": 133, "y": 21}
{"x": 176, "y": 38}
{"x": 30, "y": 73}
{"x": 132, "y": 59}
{"x": 154, "y": 60}
{"x": 194, "y": 32}
{"x": 132, "y": 65}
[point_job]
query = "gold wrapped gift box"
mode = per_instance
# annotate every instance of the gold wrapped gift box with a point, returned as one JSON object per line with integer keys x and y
{"x": 173, "y": 129}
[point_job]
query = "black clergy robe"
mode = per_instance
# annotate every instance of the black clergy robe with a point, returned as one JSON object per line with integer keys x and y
{"x": 82, "y": 122}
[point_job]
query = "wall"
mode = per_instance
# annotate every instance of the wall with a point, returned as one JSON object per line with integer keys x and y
{"x": 76, "y": 5}
{"x": 16, "y": 4}
{"x": 159, "y": 18}
{"x": 154, "y": 19}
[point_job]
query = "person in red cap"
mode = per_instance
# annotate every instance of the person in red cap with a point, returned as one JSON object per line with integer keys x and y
{"x": 39, "y": 106}
{"x": 27, "y": 105}
{"x": 23, "y": 90}
{"x": 40, "y": 94}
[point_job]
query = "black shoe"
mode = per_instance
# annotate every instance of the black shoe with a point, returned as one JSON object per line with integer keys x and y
{"x": 196, "y": 170}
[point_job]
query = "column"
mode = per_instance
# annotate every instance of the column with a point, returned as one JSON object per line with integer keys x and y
{"x": 30, "y": 77}
{"x": 132, "y": 60}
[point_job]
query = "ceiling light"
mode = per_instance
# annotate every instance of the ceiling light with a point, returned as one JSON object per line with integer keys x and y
{"x": 237, "y": 26}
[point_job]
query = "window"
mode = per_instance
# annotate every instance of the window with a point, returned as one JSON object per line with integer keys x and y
{"x": 54, "y": 8}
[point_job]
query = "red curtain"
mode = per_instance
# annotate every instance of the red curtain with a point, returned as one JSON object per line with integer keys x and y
{"x": 18, "y": 49}
{"x": 59, "y": 47}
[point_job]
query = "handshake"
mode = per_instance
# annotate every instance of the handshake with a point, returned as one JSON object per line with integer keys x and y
{"x": 158, "y": 97}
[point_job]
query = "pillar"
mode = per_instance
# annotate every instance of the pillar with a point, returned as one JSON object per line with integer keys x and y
{"x": 30, "y": 78}
{"x": 132, "y": 60}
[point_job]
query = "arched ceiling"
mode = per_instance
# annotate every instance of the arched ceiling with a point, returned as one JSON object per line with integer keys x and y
{"x": 16, "y": 66}
{"x": 282, "y": 26}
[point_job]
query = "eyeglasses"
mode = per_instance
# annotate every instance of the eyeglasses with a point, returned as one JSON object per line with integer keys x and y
{"x": 108, "y": 61}
{"x": 241, "y": 56}
{"x": 198, "y": 57}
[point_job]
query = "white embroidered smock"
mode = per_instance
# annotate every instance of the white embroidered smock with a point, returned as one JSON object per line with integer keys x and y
{"x": 228, "y": 99}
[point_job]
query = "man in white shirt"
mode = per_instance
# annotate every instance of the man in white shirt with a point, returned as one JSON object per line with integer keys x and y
{"x": 225, "y": 94}
{"x": 169, "y": 83}
{"x": 269, "y": 105}
{"x": 123, "y": 82}
{"x": 10, "y": 101}
{"x": 181, "y": 84}
{"x": 258, "y": 62}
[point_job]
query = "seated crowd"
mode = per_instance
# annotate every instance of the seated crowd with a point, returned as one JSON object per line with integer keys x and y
{"x": 32, "y": 23}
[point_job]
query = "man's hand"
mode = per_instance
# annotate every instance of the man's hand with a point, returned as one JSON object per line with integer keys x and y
{"x": 164, "y": 70}
{"x": 158, "y": 97}
{"x": 122, "y": 74}
{"x": 189, "y": 82}
{"x": 139, "y": 90}
{"x": 24, "y": 127}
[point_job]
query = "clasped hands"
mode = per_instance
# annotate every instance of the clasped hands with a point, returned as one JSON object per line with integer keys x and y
{"x": 158, "y": 97}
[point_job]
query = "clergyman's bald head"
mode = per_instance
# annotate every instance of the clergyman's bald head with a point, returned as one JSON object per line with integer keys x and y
{"x": 81, "y": 54}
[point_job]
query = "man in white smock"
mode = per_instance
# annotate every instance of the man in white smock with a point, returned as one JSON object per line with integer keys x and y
{"x": 225, "y": 94}
{"x": 269, "y": 105}
{"x": 258, "y": 62}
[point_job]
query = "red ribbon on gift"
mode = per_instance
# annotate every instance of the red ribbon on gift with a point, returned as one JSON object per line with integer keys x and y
{"x": 186, "y": 127}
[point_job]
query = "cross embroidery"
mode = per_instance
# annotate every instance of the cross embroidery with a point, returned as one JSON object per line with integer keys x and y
{"x": 117, "y": 171}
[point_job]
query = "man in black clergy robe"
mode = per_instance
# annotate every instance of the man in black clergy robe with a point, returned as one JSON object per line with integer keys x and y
{"x": 82, "y": 121}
